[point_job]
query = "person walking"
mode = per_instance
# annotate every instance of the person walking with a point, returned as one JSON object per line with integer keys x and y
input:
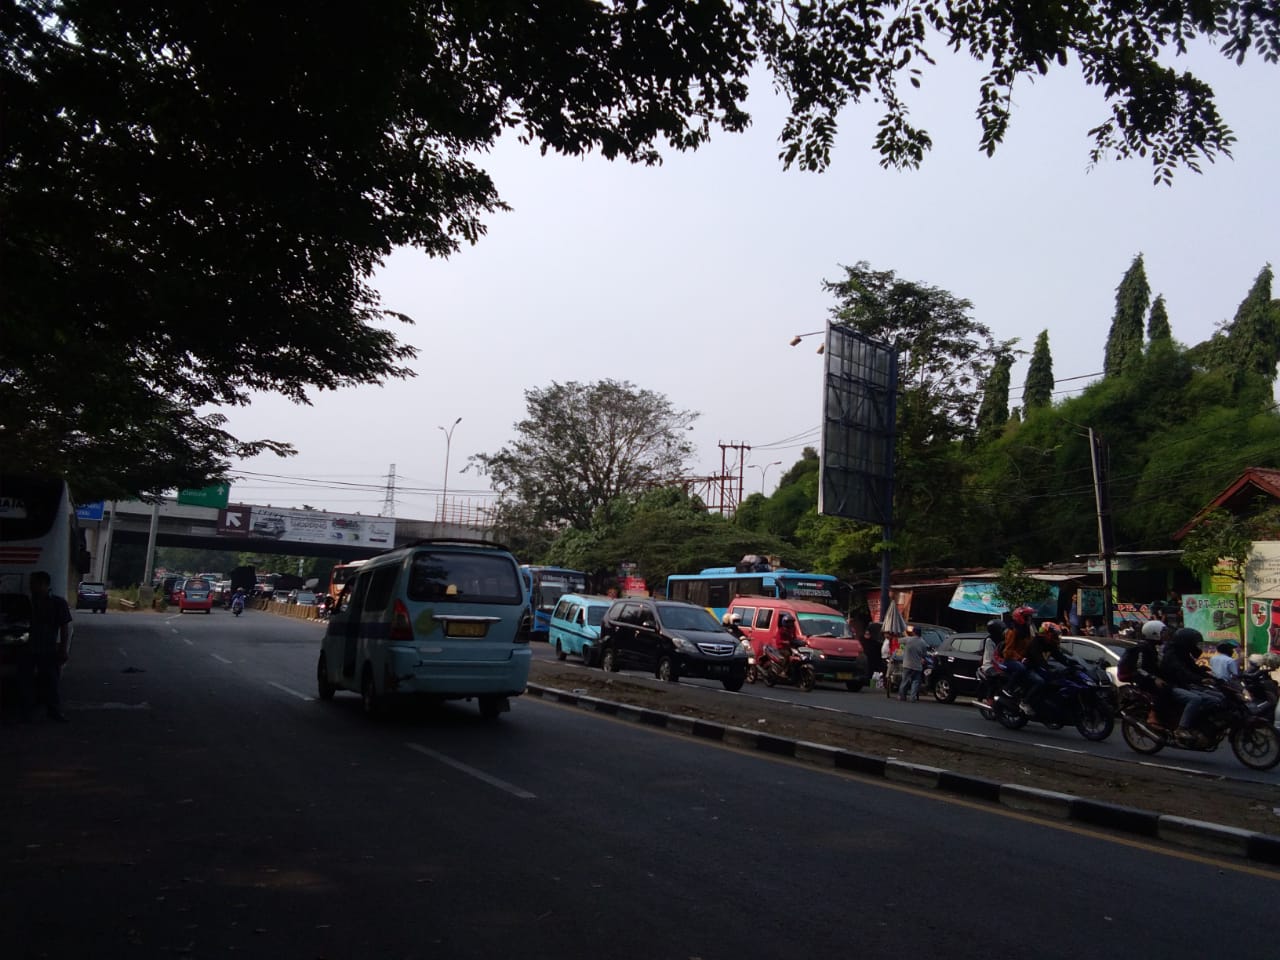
{"x": 1224, "y": 664}
{"x": 40, "y": 664}
{"x": 913, "y": 650}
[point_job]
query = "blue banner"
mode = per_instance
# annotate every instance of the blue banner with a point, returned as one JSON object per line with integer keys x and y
{"x": 979, "y": 596}
{"x": 89, "y": 511}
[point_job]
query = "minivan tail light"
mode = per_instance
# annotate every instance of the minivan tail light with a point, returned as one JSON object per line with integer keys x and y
{"x": 401, "y": 627}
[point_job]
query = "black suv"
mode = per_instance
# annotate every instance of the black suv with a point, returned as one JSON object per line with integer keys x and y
{"x": 673, "y": 639}
{"x": 955, "y": 666}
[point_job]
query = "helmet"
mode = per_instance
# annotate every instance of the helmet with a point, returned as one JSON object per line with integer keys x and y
{"x": 1153, "y": 630}
{"x": 995, "y": 629}
{"x": 1050, "y": 629}
{"x": 1187, "y": 638}
{"x": 785, "y": 619}
{"x": 1023, "y": 614}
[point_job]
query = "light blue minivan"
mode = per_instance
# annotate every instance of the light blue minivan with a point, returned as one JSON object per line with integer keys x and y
{"x": 436, "y": 620}
{"x": 575, "y": 625}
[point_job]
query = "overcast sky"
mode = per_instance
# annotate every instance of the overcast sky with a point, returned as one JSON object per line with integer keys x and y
{"x": 690, "y": 278}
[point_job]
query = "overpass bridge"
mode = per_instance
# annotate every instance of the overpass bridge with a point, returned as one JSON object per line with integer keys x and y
{"x": 257, "y": 528}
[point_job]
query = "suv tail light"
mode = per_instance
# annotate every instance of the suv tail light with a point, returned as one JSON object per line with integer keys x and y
{"x": 401, "y": 627}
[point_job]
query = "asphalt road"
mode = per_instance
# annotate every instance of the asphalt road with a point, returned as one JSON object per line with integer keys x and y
{"x": 200, "y": 803}
{"x": 963, "y": 718}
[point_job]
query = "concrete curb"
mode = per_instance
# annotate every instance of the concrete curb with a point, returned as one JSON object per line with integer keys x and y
{"x": 1177, "y": 831}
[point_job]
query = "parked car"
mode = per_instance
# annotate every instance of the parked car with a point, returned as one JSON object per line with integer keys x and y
{"x": 955, "y": 666}
{"x": 672, "y": 638}
{"x": 932, "y": 633}
{"x": 838, "y": 656}
{"x": 438, "y": 620}
{"x": 196, "y": 594}
{"x": 91, "y": 595}
{"x": 575, "y": 625}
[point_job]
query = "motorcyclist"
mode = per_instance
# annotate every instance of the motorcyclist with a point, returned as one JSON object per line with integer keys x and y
{"x": 733, "y": 623}
{"x": 1045, "y": 645}
{"x": 989, "y": 671}
{"x": 1017, "y": 638}
{"x": 238, "y": 598}
{"x": 1188, "y": 681}
{"x": 788, "y": 639}
{"x": 1140, "y": 666}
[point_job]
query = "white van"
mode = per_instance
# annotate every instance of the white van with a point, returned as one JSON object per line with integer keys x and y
{"x": 439, "y": 620}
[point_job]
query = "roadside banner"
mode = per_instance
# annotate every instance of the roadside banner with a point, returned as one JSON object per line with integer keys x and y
{"x": 1262, "y": 625}
{"x": 1215, "y": 615}
{"x": 979, "y": 596}
{"x": 318, "y": 526}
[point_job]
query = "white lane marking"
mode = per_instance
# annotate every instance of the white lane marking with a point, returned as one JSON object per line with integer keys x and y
{"x": 288, "y": 690}
{"x": 123, "y": 651}
{"x": 110, "y": 706}
{"x": 187, "y": 642}
{"x": 473, "y": 772}
{"x": 219, "y": 659}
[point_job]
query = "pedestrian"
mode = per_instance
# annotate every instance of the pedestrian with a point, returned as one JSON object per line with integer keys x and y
{"x": 40, "y": 663}
{"x": 913, "y": 651}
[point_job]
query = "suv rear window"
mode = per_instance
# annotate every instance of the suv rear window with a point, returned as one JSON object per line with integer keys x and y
{"x": 464, "y": 578}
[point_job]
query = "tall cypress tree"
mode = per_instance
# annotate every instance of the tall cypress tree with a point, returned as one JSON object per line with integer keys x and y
{"x": 1253, "y": 338}
{"x": 1158, "y": 323}
{"x": 1038, "y": 389}
{"x": 1124, "y": 345}
{"x": 994, "y": 412}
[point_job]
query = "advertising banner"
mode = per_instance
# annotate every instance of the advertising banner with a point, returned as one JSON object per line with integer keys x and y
{"x": 978, "y": 596}
{"x": 901, "y": 598}
{"x": 1262, "y": 625}
{"x": 1262, "y": 576}
{"x": 307, "y": 526}
{"x": 1215, "y": 615}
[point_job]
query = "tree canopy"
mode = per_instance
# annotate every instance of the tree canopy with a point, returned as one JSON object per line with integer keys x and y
{"x": 195, "y": 196}
{"x": 583, "y": 445}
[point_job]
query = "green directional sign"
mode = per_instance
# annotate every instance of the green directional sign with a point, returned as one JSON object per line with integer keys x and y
{"x": 214, "y": 496}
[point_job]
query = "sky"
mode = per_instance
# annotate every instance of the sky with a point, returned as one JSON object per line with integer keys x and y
{"x": 690, "y": 279}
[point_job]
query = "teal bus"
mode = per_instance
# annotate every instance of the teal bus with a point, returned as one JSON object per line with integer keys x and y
{"x": 715, "y": 587}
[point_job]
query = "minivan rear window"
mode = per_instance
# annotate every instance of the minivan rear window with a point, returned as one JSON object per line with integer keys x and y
{"x": 464, "y": 578}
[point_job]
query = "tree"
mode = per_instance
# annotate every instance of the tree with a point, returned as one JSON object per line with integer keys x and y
{"x": 1253, "y": 337}
{"x": 1014, "y": 587}
{"x": 993, "y": 414}
{"x": 582, "y": 445}
{"x": 1038, "y": 389}
{"x": 195, "y": 196}
{"x": 1158, "y": 329}
{"x": 1124, "y": 343}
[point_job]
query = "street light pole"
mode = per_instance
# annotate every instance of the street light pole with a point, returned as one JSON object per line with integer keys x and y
{"x": 764, "y": 472}
{"x": 448, "y": 443}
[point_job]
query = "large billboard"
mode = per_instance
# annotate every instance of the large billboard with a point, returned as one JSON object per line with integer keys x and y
{"x": 307, "y": 526}
{"x": 858, "y": 412}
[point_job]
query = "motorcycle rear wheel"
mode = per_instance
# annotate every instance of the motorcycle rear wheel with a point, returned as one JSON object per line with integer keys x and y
{"x": 1139, "y": 740}
{"x": 1256, "y": 745}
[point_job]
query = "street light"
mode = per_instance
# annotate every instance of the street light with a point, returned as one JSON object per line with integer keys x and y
{"x": 764, "y": 472}
{"x": 448, "y": 443}
{"x": 795, "y": 341}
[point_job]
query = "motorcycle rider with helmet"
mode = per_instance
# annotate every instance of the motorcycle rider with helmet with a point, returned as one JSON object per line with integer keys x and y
{"x": 1187, "y": 681}
{"x": 989, "y": 671}
{"x": 1140, "y": 666}
{"x": 1045, "y": 645}
{"x": 787, "y": 638}
{"x": 1016, "y": 641}
{"x": 733, "y": 623}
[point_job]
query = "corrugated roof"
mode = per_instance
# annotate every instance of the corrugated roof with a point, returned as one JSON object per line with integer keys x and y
{"x": 1261, "y": 479}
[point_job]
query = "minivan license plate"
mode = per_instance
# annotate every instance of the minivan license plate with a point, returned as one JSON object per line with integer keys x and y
{"x": 465, "y": 629}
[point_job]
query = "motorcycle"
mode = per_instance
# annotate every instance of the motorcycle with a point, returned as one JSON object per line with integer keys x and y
{"x": 1070, "y": 695}
{"x": 1248, "y": 724}
{"x": 795, "y": 668}
{"x": 237, "y": 605}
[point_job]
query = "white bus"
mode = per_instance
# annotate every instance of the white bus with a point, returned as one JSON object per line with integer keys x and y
{"x": 38, "y": 531}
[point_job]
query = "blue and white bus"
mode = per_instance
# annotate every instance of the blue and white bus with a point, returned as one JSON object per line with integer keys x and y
{"x": 546, "y": 585}
{"x": 715, "y": 587}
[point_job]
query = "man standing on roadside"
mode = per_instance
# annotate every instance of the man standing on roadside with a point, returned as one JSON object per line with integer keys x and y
{"x": 40, "y": 666}
{"x": 912, "y": 665}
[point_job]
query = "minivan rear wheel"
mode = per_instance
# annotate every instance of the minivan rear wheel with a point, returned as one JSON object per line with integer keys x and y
{"x": 666, "y": 671}
{"x": 323, "y": 686}
{"x": 560, "y": 654}
{"x": 369, "y": 698}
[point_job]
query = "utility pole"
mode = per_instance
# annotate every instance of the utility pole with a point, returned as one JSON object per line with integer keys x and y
{"x": 1106, "y": 545}
{"x": 389, "y": 501}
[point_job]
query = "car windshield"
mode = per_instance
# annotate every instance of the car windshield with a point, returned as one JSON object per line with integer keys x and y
{"x": 595, "y": 616}
{"x": 676, "y": 616}
{"x": 823, "y": 625}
